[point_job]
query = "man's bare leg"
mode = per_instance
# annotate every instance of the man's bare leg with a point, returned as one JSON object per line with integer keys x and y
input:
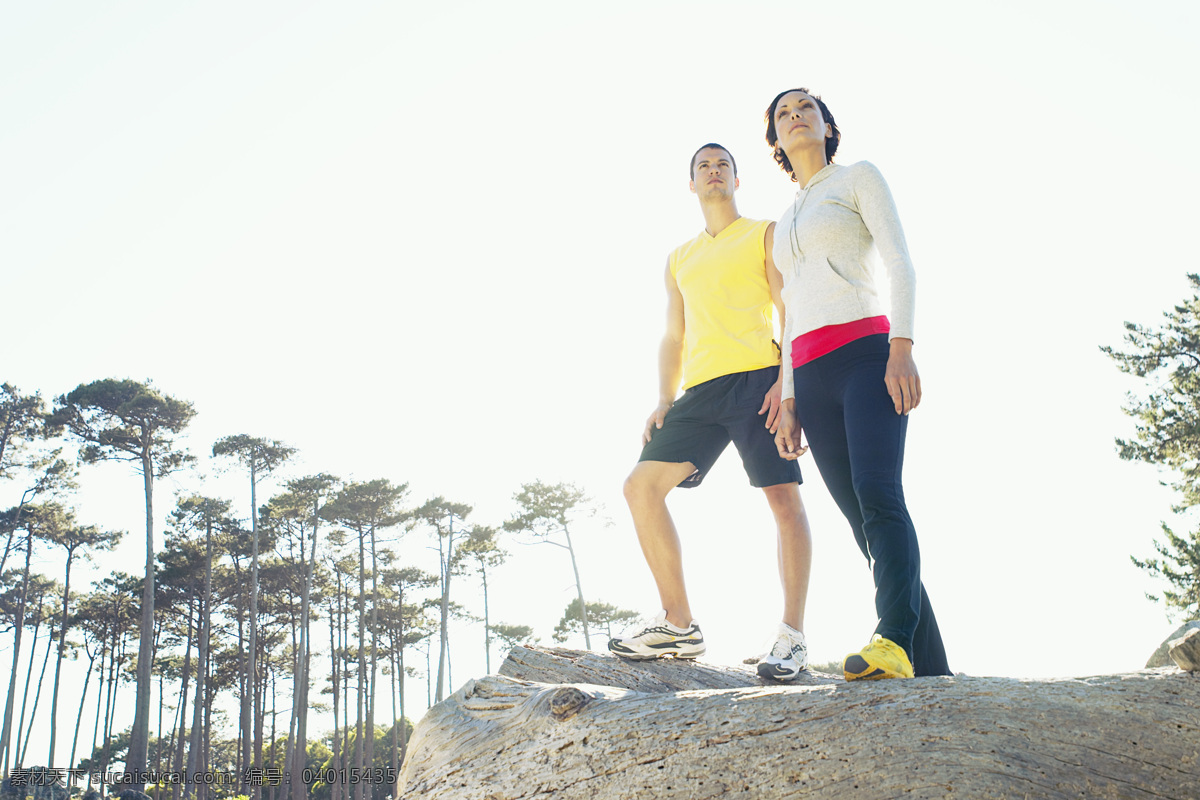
{"x": 646, "y": 491}
{"x": 795, "y": 549}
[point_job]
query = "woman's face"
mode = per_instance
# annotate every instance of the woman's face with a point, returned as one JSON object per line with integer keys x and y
{"x": 798, "y": 122}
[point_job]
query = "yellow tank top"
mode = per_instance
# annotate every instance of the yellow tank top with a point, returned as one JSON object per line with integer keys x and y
{"x": 727, "y": 308}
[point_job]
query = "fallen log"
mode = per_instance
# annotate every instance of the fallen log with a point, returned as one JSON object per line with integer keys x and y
{"x": 1134, "y": 735}
{"x": 561, "y": 665}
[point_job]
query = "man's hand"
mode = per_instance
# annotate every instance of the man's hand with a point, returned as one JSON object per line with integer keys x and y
{"x": 787, "y": 438}
{"x": 901, "y": 378}
{"x": 656, "y": 419}
{"x": 770, "y": 405}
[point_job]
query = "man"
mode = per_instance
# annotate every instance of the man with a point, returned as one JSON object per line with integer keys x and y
{"x": 719, "y": 345}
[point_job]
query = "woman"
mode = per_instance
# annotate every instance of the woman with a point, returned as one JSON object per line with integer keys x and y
{"x": 852, "y": 379}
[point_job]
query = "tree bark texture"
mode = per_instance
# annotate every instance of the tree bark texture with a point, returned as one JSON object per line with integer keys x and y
{"x": 1134, "y": 735}
{"x": 564, "y": 665}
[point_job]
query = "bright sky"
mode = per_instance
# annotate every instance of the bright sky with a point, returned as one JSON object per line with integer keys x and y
{"x": 425, "y": 242}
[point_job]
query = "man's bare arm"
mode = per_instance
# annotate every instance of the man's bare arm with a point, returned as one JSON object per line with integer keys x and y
{"x": 670, "y": 357}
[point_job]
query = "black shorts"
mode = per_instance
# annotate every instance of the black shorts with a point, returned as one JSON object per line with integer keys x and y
{"x": 710, "y": 415}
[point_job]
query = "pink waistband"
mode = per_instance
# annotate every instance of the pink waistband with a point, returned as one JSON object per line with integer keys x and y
{"x": 814, "y": 344}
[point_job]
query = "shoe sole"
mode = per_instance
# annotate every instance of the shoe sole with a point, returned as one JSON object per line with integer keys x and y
{"x": 857, "y": 668}
{"x": 778, "y": 672}
{"x": 634, "y": 655}
{"x": 658, "y": 656}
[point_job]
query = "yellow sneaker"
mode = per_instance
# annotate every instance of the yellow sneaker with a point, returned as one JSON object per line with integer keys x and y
{"x": 882, "y": 658}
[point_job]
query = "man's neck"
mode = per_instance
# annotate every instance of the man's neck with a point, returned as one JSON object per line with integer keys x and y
{"x": 719, "y": 216}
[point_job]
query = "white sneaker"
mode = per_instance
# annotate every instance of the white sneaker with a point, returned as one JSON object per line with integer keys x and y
{"x": 788, "y": 656}
{"x": 659, "y": 639}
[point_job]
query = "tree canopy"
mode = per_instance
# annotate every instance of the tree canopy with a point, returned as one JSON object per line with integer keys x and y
{"x": 125, "y": 420}
{"x": 21, "y": 420}
{"x": 1167, "y": 434}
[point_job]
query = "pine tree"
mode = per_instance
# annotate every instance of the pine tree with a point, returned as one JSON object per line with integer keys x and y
{"x": 1167, "y": 434}
{"x": 482, "y": 551}
{"x": 129, "y": 421}
{"x": 546, "y": 510}
{"x": 447, "y": 520}
{"x": 598, "y": 613}
{"x": 260, "y": 457}
{"x": 1179, "y": 566}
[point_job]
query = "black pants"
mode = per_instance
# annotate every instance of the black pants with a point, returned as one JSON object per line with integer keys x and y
{"x": 857, "y": 441}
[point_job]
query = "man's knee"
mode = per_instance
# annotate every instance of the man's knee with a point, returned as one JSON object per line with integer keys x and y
{"x": 636, "y": 489}
{"x": 650, "y": 481}
{"x": 784, "y": 499}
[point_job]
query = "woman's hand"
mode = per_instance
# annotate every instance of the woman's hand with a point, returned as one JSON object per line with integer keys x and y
{"x": 787, "y": 438}
{"x": 901, "y": 378}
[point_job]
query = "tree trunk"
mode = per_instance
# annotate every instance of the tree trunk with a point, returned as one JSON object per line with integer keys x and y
{"x": 210, "y": 697}
{"x": 62, "y": 648}
{"x": 274, "y": 716}
{"x": 300, "y": 758}
{"x": 368, "y": 785}
{"x": 96, "y": 722}
{"x": 361, "y": 697}
{"x": 335, "y": 656}
{"x": 116, "y": 653}
{"x": 289, "y": 749}
{"x": 444, "y": 647}
{"x": 395, "y": 717}
{"x": 193, "y": 762}
{"x": 587, "y": 637}
{"x": 87, "y": 679}
{"x": 139, "y": 738}
{"x": 158, "y": 739}
{"x": 175, "y": 739}
{"x": 247, "y": 724}
{"x": 99, "y": 706}
{"x": 37, "y": 696}
{"x": 293, "y": 715}
{"x": 182, "y": 704}
{"x": 403, "y": 728}
{"x": 243, "y": 756}
{"x": 487, "y": 631}
{"x": 1111, "y": 736}
{"x": 16, "y": 747}
{"x": 563, "y": 665}
{"x": 262, "y": 675}
{"x": 10, "y": 701}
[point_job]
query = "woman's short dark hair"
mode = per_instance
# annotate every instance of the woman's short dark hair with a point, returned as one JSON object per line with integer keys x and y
{"x": 831, "y": 143}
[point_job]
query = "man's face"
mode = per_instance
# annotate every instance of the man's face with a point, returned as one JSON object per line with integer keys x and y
{"x": 712, "y": 174}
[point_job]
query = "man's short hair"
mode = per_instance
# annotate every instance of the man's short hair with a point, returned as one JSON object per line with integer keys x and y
{"x": 714, "y": 145}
